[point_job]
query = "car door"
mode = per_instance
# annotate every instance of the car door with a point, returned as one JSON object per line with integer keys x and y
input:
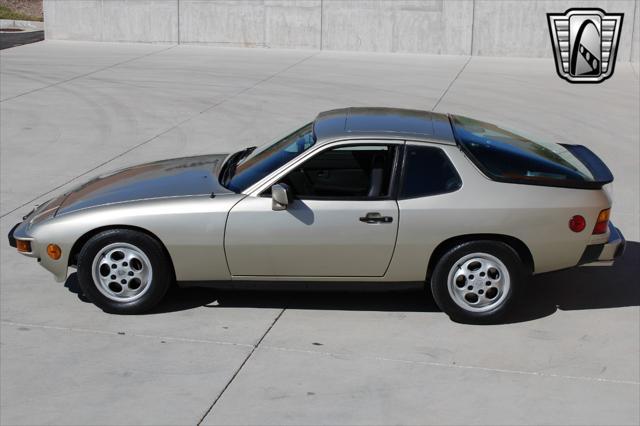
{"x": 341, "y": 222}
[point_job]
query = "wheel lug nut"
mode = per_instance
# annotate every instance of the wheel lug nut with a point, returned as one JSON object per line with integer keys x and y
{"x": 470, "y": 277}
{"x": 113, "y": 277}
{"x": 480, "y": 291}
{"x": 488, "y": 283}
{"x": 482, "y": 274}
{"x": 125, "y": 264}
{"x": 114, "y": 266}
{"x": 470, "y": 288}
{"x": 130, "y": 273}
{"x": 123, "y": 281}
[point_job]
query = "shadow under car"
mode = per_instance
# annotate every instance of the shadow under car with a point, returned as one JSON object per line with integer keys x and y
{"x": 571, "y": 289}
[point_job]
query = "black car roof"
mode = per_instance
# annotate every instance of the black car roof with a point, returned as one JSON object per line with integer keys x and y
{"x": 393, "y": 123}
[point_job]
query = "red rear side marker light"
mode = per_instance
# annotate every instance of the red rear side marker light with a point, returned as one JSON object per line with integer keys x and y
{"x": 577, "y": 223}
{"x": 602, "y": 223}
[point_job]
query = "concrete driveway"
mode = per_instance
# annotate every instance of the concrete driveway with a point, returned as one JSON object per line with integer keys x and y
{"x": 70, "y": 110}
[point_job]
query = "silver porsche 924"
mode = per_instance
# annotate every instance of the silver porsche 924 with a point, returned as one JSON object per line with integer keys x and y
{"x": 358, "y": 195}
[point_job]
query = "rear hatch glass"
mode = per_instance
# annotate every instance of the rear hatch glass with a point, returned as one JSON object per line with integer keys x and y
{"x": 506, "y": 156}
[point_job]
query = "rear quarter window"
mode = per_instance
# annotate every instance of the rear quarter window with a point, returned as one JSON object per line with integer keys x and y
{"x": 427, "y": 171}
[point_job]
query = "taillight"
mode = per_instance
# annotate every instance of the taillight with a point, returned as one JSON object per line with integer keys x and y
{"x": 602, "y": 223}
{"x": 577, "y": 223}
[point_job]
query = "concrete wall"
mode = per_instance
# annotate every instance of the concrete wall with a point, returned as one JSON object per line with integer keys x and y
{"x": 635, "y": 44}
{"x": 519, "y": 28}
{"x": 455, "y": 27}
{"x": 112, "y": 20}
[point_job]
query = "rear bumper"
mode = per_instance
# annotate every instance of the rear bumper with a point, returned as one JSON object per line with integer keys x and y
{"x": 604, "y": 254}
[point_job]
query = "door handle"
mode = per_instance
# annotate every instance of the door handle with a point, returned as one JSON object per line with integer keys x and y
{"x": 376, "y": 218}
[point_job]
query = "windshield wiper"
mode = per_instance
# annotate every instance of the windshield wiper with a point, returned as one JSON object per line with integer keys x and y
{"x": 245, "y": 152}
{"x": 229, "y": 167}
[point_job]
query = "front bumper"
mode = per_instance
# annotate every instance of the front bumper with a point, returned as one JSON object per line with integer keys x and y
{"x": 12, "y": 239}
{"x": 58, "y": 267}
{"x": 604, "y": 254}
{"x": 18, "y": 232}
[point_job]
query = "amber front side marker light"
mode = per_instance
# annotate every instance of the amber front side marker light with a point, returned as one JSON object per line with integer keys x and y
{"x": 54, "y": 251}
{"x": 23, "y": 246}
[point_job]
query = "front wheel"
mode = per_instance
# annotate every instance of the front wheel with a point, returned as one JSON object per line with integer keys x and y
{"x": 124, "y": 271}
{"x": 478, "y": 281}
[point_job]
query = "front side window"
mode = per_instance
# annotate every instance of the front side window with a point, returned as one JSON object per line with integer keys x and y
{"x": 269, "y": 158}
{"x": 427, "y": 171}
{"x": 354, "y": 171}
{"x": 506, "y": 156}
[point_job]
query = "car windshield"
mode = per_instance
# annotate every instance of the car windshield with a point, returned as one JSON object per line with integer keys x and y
{"x": 506, "y": 155}
{"x": 266, "y": 159}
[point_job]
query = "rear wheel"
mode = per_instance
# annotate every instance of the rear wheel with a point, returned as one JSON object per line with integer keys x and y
{"x": 124, "y": 271}
{"x": 478, "y": 281}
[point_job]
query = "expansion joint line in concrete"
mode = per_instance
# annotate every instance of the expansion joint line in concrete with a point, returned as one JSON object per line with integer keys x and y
{"x": 235, "y": 374}
{"x": 89, "y": 73}
{"x": 451, "y": 84}
{"x": 540, "y": 374}
{"x": 121, "y": 333}
{"x": 175, "y": 126}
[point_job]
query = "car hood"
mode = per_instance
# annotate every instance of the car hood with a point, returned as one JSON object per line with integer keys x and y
{"x": 167, "y": 178}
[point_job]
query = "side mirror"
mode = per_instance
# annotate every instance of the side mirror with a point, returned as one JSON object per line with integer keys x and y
{"x": 281, "y": 196}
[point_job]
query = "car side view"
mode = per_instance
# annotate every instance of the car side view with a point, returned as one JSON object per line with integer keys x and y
{"x": 358, "y": 195}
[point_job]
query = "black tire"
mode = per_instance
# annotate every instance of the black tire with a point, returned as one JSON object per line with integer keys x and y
{"x": 161, "y": 275}
{"x": 466, "y": 283}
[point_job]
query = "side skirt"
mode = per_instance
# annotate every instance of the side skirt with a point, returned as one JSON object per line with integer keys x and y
{"x": 347, "y": 286}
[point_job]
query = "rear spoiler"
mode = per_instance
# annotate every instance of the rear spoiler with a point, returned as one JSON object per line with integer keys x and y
{"x": 601, "y": 173}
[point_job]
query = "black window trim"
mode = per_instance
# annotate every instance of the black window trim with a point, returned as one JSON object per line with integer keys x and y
{"x": 395, "y": 171}
{"x": 404, "y": 168}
